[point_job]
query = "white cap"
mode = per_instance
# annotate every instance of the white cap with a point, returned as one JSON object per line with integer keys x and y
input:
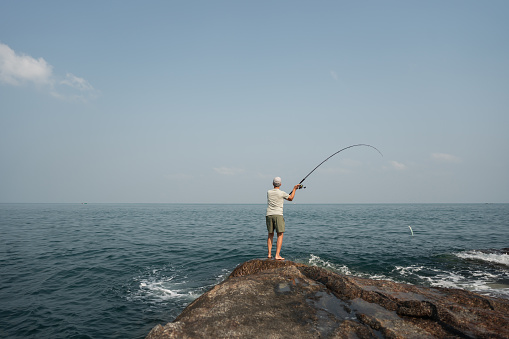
{"x": 276, "y": 182}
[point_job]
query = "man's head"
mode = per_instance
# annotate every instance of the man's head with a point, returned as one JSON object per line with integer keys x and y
{"x": 276, "y": 182}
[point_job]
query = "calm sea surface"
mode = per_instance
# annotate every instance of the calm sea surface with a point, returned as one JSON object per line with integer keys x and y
{"x": 115, "y": 271}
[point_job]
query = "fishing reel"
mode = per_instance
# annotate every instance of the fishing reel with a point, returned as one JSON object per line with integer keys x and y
{"x": 301, "y": 186}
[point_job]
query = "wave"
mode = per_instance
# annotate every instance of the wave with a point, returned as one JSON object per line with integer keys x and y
{"x": 225, "y": 272}
{"x": 161, "y": 290}
{"x": 162, "y": 285}
{"x": 489, "y": 277}
{"x": 315, "y": 260}
{"x": 495, "y": 257}
{"x": 483, "y": 281}
{"x": 170, "y": 285}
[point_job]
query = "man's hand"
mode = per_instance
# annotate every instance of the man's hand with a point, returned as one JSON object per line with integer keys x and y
{"x": 290, "y": 198}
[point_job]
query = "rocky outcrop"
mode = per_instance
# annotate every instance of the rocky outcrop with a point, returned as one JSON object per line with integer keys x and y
{"x": 273, "y": 299}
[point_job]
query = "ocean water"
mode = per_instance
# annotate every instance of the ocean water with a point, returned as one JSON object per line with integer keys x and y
{"x": 117, "y": 270}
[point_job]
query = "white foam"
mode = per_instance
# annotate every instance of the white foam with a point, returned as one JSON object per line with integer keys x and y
{"x": 497, "y": 258}
{"x": 478, "y": 281}
{"x": 156, "y": 287}
{"x": 161, "y": 290}
{"x": 223, "y": 275}
{"x": 407, "y": 271}
{"x": 315, "y": 260}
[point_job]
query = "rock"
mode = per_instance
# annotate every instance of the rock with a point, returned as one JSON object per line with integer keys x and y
{"x": 283, "y": 299}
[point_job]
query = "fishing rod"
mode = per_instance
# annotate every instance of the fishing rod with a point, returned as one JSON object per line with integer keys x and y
{"x": 341, "y": 150}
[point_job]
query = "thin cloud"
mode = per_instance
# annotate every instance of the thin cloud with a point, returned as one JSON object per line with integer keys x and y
{"x": 444, "y": 157}
{"x": 78, "y": 83}
{"x": 398, "y": 165}
{"x": 20, "y": 69}
{"x": 228, "y": 170}
{"x": 74, "y": 88}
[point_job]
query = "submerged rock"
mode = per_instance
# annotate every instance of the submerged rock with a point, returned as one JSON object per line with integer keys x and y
{"x": 283, "y": 299}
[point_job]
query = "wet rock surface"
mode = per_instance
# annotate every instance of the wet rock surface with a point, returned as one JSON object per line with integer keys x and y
{"x": 283, "y": 299}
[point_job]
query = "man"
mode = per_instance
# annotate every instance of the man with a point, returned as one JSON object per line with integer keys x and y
{"x": 274, "y": 217}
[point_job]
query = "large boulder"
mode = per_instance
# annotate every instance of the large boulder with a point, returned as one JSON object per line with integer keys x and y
{"x": 283, "y": 299}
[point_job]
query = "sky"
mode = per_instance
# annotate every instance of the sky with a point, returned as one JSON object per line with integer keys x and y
{"x": 207, "y": 101}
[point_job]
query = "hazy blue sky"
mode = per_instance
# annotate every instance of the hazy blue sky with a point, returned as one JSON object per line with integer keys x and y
{"x": 207, "y": 101}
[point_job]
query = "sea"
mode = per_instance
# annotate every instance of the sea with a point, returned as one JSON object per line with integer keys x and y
{"x": 117, "y": 270}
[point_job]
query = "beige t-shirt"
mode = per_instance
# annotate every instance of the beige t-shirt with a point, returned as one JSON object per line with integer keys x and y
{"x": 275, "y": 200}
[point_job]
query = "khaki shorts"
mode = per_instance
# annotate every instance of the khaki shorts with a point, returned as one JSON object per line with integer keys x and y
{"x": 275, "y": 222}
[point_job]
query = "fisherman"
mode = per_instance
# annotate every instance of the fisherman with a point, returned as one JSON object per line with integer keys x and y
{"x": 274, "y": 217}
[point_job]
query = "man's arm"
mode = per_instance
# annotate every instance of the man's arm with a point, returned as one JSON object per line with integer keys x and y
{"x": 292, "y": 195}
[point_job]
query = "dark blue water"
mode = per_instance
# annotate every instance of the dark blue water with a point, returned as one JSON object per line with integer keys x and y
{"x": 115, "y": 271}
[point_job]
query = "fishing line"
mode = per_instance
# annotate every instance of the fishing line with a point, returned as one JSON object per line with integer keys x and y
{"x": 341, "y": 150}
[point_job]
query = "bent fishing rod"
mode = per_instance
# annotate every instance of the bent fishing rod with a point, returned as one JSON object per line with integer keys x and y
{"x": 341, "y": 150}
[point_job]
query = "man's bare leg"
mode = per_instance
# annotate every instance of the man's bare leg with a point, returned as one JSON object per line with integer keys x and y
{"x": 279, "y": 243}
{"x": 269, "y": 244}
